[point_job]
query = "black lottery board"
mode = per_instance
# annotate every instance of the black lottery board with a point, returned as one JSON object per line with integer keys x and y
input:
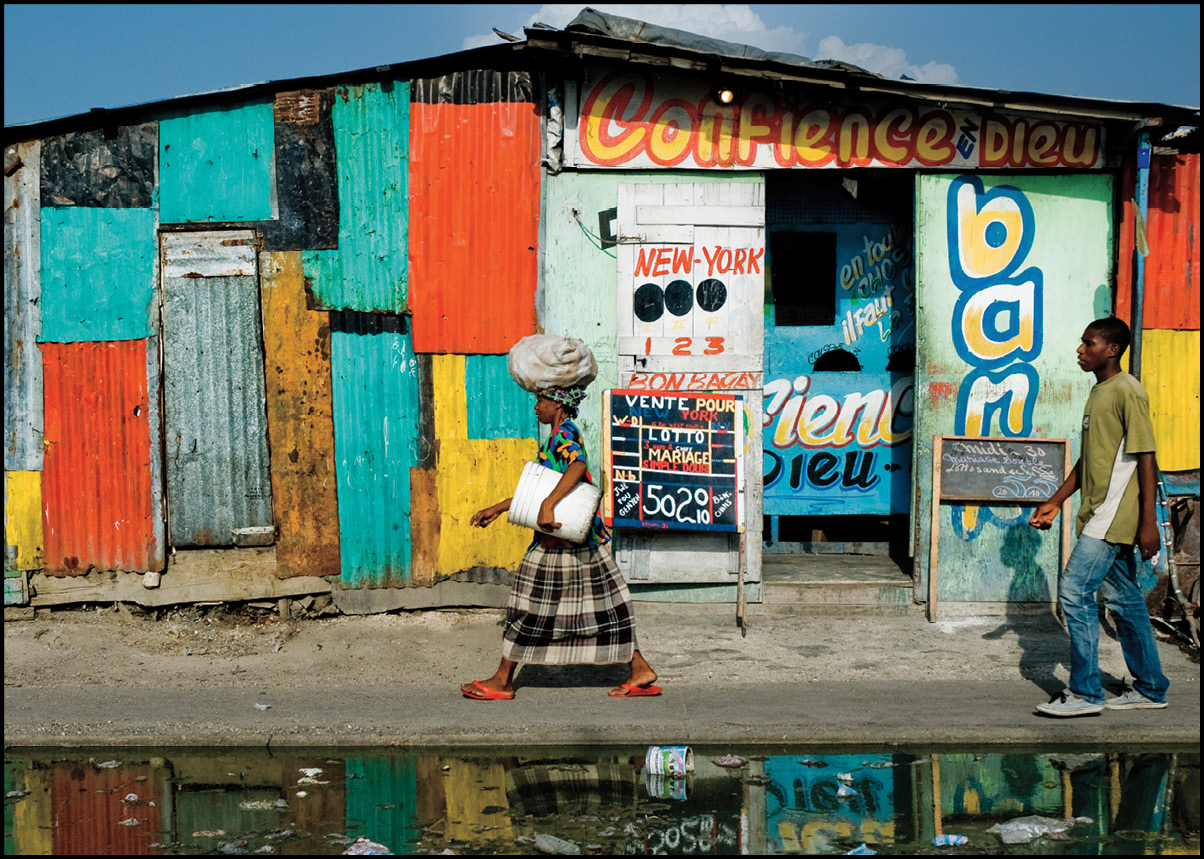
{"x": 1001, "y": 469}
{"x": 674, "y": 460}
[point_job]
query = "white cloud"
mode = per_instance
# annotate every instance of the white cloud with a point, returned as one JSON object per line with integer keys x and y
{"x": 889, "y": 62}
{"x": 733, "y": 22}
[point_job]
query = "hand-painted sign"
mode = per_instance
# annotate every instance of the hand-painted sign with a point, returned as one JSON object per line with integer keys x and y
{"x": 637, "y": 120}
{"x": 838, "y": 443}
{"x": 999, "y": 469}
{"x": 674, "y": 460}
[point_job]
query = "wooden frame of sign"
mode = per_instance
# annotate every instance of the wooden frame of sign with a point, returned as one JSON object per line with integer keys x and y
{"x": 994, "y": 471}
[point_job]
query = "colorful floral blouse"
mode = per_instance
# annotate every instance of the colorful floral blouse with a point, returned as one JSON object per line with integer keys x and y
{"x": 561, "y": 450}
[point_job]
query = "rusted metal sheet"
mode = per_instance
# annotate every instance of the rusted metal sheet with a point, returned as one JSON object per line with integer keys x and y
{"x": 474, "y": 165}
{"x": 367, "y": 272}
{"x": 300, "y": 421}
{"x": 1170, "y": 373}
{"x": 218, "y": 475}
{"x": 216, "y": 165}
{"x": 98, "y": 506}
{"x": 307, "y": 192}
{"x": 98, "y": 274}
{"x": 88, "y": 804}
{"x": 376, "y": 418}
{"x": 1172, "y": 268}
{"x": 22, "y": 308}
{"x": 111, "y": 168}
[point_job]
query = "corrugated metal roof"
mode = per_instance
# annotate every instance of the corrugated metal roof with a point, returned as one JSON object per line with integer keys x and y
{"x": 1172, "y": 268}
{"x": 97, "y": 500}
{"x": 473, "y": 166}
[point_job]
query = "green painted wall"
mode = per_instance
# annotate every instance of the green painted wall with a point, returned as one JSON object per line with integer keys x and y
{"x": 217, "y": 165}
{"x": 98, "y": 274}
{"x": 368, "y": 271}
{"x": 1010, "y": 271}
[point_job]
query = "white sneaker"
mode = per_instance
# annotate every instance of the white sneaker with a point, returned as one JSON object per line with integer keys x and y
{"x": 1131, "y": 699}
{"x": 1066, "y": 703}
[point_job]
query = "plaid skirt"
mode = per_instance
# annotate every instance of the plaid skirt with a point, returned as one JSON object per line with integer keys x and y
{"x": 569, "y": 606}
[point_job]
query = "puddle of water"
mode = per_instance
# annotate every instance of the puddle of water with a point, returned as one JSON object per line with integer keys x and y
{"x": 786, "y": 800}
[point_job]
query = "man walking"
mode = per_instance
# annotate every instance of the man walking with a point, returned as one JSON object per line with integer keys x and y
{"x": 1117, "y": 475}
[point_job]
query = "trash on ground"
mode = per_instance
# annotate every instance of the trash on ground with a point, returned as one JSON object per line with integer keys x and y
{"x": 862, "y": 850}
{"x": 1022, "y": 830}
{"x": 673, "y": 761}
{"x": 811, "y": 762}
{"x": 847, "y": 778}
{"x": 129, "y": 821}
{"x": 845, "y": 790}
{"x": 109, "y": 765}
{"x": 259, "y": 805}
{"x": 363, "y": 847}
{"x": 16, "y": 794}
{"x": 729, "y": 761}
{"x": 131, "y": 799}
{"x": 263, "y": 706}
{"x": 950, "y": 841}
{"x": 551, "y": 844}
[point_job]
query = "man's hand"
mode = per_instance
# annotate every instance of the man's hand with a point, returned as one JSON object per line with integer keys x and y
{"x": 1044, "y": 515}
{"x": 1147, "y": 540}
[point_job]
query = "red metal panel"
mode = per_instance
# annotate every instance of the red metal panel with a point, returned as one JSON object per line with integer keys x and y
{"x": 1172, "y": 269}
{"x": 474, "y": 225}
{"x": 88, "y": 805}
{"x": 96, "y": 486}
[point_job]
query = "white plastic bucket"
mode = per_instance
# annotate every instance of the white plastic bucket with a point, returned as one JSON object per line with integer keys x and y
{"x": 575, "y": 512}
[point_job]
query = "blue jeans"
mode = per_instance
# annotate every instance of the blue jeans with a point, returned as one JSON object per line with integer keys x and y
{"x": 1112, "y": 570}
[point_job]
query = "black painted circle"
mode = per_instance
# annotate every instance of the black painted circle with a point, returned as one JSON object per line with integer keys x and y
{"x": 712, "y": 294}
{"x": 649, "y": 302}
{"x": 679, "y": 297}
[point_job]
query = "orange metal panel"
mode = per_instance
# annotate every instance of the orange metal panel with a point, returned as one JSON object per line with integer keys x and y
{"x": 97, "y": 508}
{"x": 88, "y": 805}
{"x": 1172, "y": 269}
{"x": 300, "y": 421}
{"x": 474, "y": 225}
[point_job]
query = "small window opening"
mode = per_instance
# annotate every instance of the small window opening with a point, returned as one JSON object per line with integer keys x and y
{"x": 837, "y": 361}
{"x": 804, "y": 278}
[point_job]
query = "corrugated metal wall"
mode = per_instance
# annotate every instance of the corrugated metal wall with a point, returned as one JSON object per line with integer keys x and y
{"x": 218, "y": 475}
{"x": 1172, "y": 268}
{"x": 474, "y": 211}
{"x": 97, "y": 500}
{"x": 1170, "y": 341}
{"x": 300, "y": 421}
{"x": 376, "y": 414}
{"x": 367, "y": 272}
{"x": 87, "y": 804}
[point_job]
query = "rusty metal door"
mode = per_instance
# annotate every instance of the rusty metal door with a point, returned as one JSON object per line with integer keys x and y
{"x": 217, "y": 474}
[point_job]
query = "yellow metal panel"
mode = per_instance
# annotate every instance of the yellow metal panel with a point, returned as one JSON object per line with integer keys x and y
{"x": 1170, "y": 373}
{"x": 474, "y": 473}
{"x": 451, "y": 403}
{"x": 23, "y": 517}
{"x": 300, "y": 421}
{"x": 33, "y": 826}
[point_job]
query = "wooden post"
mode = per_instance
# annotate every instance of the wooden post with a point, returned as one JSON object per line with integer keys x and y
{"x": 934, "y": 545}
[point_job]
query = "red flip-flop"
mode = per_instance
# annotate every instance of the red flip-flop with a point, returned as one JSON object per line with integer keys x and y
{"x": 487, "y": 694}
{"x": 638, "y": 691}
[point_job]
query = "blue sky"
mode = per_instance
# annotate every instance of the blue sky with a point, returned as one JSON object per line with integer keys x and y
{"x": 63, "y": 60}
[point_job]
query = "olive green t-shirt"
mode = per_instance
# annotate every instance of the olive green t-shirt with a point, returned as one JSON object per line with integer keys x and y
{"x": 1116, "y": 427}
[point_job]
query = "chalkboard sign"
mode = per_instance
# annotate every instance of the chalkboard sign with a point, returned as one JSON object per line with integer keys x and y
{"x": 674, "y": 460}
{"x": 1007, "y": 470}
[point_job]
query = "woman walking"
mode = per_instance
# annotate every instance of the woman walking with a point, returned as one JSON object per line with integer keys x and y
{"x": 569, "y": 603}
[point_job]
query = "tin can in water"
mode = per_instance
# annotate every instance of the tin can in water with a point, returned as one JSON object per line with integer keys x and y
{"x": 673, "y": 761}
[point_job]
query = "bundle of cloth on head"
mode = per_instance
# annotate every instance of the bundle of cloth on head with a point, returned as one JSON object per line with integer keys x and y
{"x": 558, "y": 368}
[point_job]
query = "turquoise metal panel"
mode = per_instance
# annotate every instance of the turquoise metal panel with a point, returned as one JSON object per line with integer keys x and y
{"x": 98, "y": 274}
{"x": 497, "y": 406}
{"x": 382, "y": 798}
{"x": 217, "y": 165}
{"x": 368, "y": 272}
{"x": 375, "y": 376}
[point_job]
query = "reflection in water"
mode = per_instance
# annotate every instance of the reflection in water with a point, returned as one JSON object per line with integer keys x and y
{"x": 184, "y": 802}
